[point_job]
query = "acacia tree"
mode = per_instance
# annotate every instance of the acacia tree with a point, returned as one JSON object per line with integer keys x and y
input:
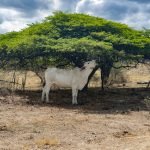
{"x": 71, "y": 39}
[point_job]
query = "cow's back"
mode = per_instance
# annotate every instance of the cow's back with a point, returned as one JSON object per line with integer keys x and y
{"x": 60, "y": 77}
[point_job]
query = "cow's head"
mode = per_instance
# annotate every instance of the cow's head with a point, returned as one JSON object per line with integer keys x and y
{"x": 89, "y": 64}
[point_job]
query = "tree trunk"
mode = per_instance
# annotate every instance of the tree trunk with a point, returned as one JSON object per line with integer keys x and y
{"x": 24, "y": 81}
{"x": 41, "y": 77}
{"x": 102, "y": 80}
{"x": 89, "y": 78}
{"x": 105, "y": 72}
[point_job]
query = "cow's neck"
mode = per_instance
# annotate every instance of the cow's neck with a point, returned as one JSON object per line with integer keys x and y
{"x": 86, "y": 73}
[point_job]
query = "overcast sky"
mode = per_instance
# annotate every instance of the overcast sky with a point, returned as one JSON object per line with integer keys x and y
{"x": 16, "y": 14}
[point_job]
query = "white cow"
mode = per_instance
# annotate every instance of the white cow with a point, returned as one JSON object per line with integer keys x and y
{"x": 75, "y": 78}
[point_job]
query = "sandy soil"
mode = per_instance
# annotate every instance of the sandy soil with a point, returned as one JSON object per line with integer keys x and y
{"x": 115, "y": 120}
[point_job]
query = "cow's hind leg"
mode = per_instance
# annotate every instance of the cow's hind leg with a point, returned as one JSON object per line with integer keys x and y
{"x": 43, "y": 94}
{"x": 47, "y": 90}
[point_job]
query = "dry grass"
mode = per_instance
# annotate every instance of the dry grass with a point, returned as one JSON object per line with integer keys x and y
{"x": 47, "y": 141}
{"x": 129, "y": 77}
{"x": 3, "y": 127}
{"x": 147, "y": 103}
{"x": 32, "y": 82}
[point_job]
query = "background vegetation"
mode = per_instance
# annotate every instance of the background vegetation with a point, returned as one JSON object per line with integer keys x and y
{"x": 66, "y": 40}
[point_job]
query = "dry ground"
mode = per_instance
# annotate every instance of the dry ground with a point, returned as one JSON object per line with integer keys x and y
{"x": 115, "y": 120}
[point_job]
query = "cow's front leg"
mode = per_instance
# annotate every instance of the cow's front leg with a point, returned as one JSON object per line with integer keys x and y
{"x": 74, "y": 96}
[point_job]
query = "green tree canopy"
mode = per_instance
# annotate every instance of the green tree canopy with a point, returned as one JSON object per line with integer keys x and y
{"x": 70, "y": 39}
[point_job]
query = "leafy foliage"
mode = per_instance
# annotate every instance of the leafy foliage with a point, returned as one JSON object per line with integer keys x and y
{"x": 71, "y": 39}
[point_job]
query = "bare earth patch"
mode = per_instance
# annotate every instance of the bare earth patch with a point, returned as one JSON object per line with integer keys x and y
{"x": 116, "y": 120}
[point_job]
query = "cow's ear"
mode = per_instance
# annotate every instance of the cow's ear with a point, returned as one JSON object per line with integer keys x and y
{"x": 82, "y": 68}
